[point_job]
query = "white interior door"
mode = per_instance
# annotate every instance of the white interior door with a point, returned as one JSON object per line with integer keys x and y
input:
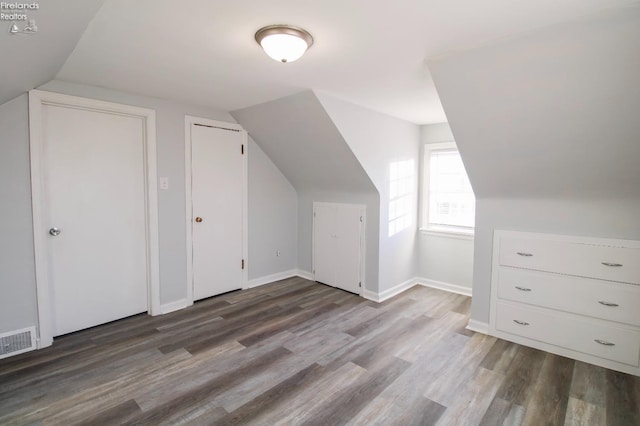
{"x": 348, "y": 230}
{"x": 338, "y": 245}
{"x": 94, "y": 195}
{"x": 217, "y": 216}
{"x": 323, "y": 242}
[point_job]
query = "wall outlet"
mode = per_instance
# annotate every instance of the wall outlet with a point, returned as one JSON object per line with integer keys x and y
{"x": 277, "y": 253}
{"x": 164, "y": 183}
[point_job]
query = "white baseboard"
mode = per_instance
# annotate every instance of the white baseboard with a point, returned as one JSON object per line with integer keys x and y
{"x": 478, "y": 326}
{"x": 389, "y": 293}
{"x": 279, "y": 276}
{"x": 451, "y": 288}
{"x": 305, "y": 274}
{"x": 397, "y": 289}
{"x": 271, "y": 278}
{"x": 174, "y": 306}
{"x": 370, "y": 295}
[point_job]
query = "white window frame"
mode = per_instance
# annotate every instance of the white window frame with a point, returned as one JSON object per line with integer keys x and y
{"x": 425, "y": 227}
{"x": 408, "y": 196}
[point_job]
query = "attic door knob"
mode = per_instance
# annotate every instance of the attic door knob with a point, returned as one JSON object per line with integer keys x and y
{"x": 198, "y": 219}
{"x": 54, "y": 231}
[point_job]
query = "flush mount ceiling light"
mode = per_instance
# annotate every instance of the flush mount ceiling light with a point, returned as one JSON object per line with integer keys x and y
{"x": 284, "y": 43}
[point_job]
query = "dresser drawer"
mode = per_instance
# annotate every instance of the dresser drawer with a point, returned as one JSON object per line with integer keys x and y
{"x": 566, "y": 331}
{"x": 600, "y": 299}
{"x": 603, "y": 262}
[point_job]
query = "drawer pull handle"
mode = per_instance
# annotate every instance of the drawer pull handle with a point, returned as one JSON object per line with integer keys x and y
{"x": 608, "y": 303}
{"x": 614, "y": 265}
{"x": 520, "y": 253}
{"x": 521, "y": 322}
{"x": 604, "y": 342}
{"x": 523, "y": 288}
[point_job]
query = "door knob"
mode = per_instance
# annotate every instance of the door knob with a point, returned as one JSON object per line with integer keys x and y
{"x": 198, "y": 219}
{"x": 54, "y": 231}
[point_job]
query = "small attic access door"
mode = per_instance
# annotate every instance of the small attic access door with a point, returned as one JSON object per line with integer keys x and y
{"x": 338, "y": 245}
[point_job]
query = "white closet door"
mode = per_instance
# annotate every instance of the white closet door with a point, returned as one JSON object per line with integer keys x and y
{"x": 323, "y": 243}
{"x": 217, "y": 178}
{"x": 337, "y": 245}
{"x": 95, "y": 199}
{"x": 347, "y": 247}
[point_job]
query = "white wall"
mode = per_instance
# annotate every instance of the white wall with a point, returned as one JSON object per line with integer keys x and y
{"x": 273, "y": 217}
{"x": 547, "y": 125}
{"x": 17, "y": 264}
{"x": 444, "y": 258}
{"x": 270, "y": 225}
{"x": 447, "y": 260}
{"x": 378, "y": 140}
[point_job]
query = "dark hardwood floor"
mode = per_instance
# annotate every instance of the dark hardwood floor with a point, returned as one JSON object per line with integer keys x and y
{"x": 297, "y": 352}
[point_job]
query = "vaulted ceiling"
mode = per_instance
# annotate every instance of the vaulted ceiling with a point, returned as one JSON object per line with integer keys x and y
{"x": 29, "y": 60}
{"x": 303, "y": 142}
{"x": 202, "y": 51}
{"x": 551, "y": 114}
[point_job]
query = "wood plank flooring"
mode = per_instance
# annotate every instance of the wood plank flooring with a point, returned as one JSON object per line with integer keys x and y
{"x": 298, "y": 352}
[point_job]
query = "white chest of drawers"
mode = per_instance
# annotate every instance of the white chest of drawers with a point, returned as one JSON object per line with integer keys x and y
{"x": 574, "y": 296}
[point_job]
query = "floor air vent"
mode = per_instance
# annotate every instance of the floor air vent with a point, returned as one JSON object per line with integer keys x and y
{"x": 17, "y": 342}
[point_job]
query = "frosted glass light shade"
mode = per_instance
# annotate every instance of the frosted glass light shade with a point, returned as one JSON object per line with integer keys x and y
{"x": 284, "y": 43}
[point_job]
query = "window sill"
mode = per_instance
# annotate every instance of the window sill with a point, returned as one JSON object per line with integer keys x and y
{"x": 448, "y": 233}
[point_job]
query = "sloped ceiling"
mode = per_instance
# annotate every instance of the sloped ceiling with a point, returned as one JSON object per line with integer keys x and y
{"x": 369, "y": 53}
{"x": 554, "y": 113}
{"x": 302, "y": 141}
{"x": 29, "y": 60}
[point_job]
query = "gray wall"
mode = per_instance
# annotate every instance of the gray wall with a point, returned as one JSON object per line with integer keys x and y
{"x": 17, "y": 265}
{"x": 547, "y": 124}
{"x": 444, "y": 258}
{"x": 303, "y": 142}
{"x": 273, "y": 217}
{"x": 563, "y": 99}
{"x": 378, "y": 140}
{"x": 269, "y": 225}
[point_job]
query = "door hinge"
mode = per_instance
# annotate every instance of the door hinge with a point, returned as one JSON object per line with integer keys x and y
{"x": 242, "y": 149}
{"x": 242, "y": 263}
{"x": 360, "y": 284}
{"x": 314, "y": 214}
{"x": 361, "y": 219}
{"x": 313, "y": 272}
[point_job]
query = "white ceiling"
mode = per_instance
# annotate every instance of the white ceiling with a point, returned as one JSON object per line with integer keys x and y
{"x": 372, "y": 53}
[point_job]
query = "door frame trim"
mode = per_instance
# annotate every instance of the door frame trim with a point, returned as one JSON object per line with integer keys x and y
{"x": 189, "y": 121}
{"x": 38, "y": 98}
